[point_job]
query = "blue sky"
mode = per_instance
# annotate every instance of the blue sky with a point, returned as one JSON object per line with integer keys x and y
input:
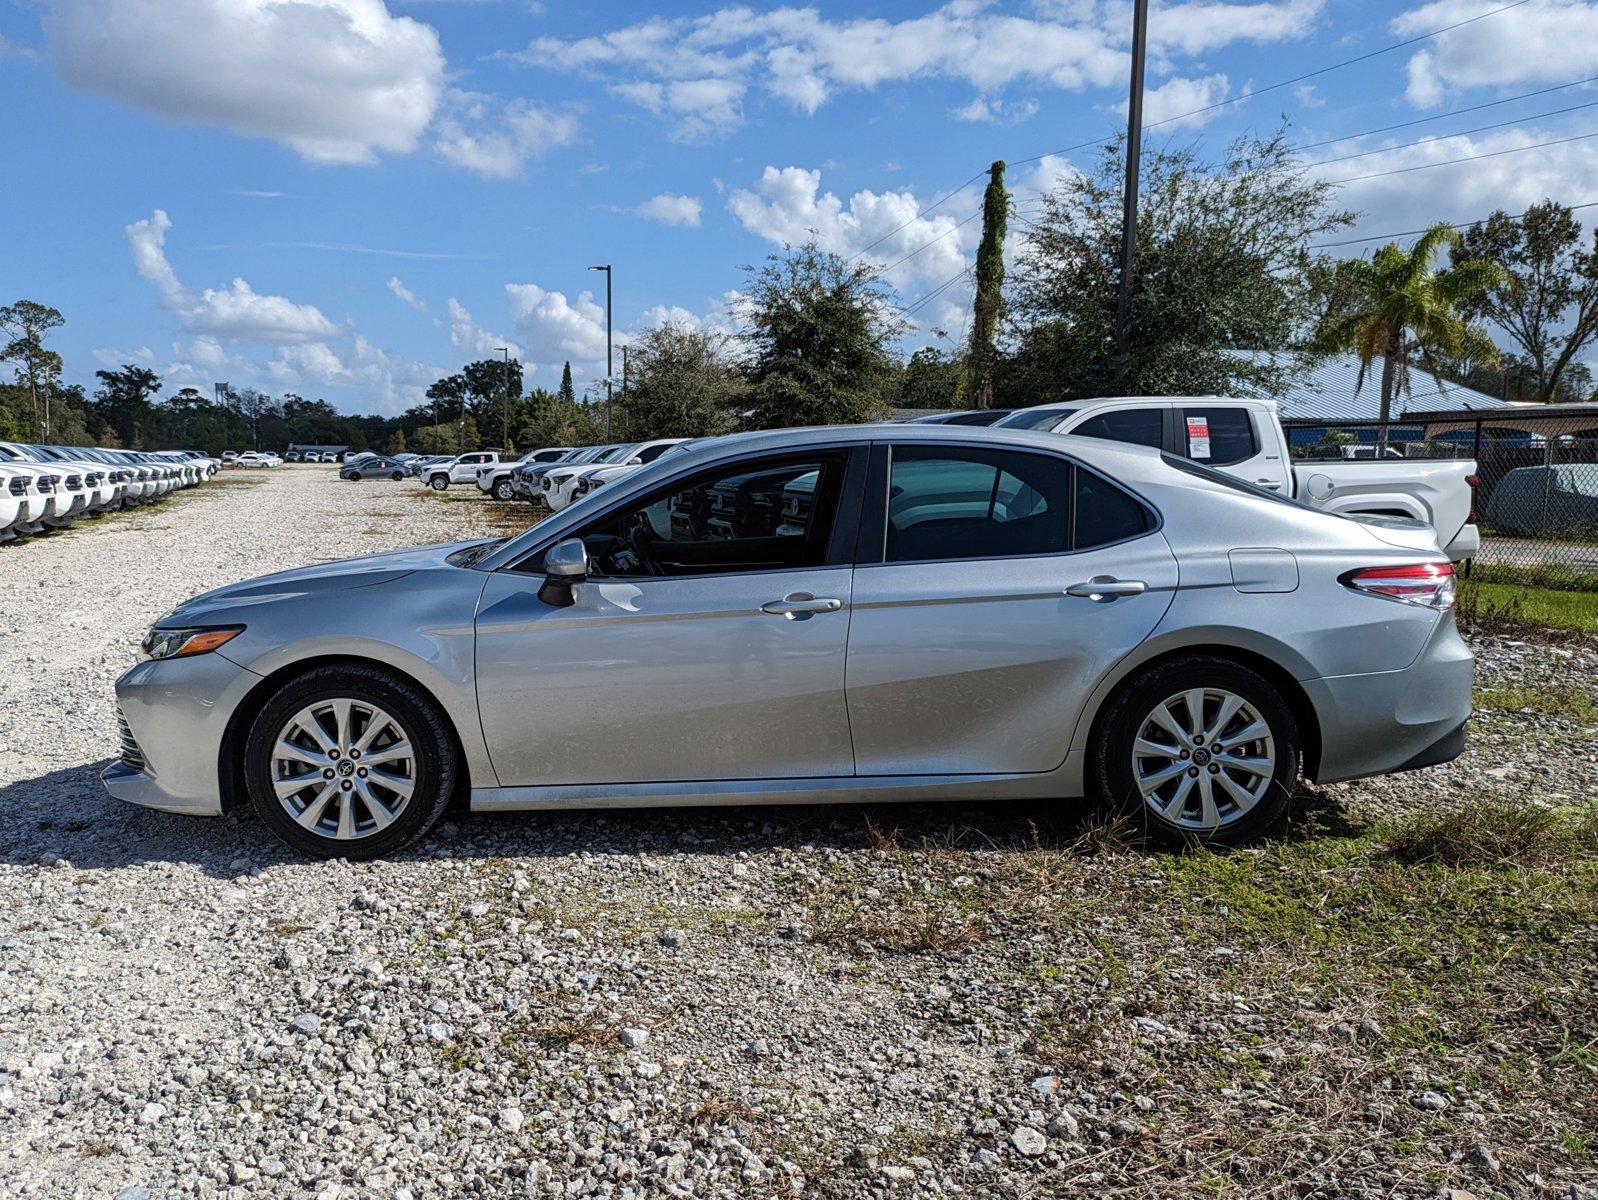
{"x": 346, "y": 198}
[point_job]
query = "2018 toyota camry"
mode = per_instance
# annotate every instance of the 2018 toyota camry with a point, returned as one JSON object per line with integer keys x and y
{"x": 868, "y": 613}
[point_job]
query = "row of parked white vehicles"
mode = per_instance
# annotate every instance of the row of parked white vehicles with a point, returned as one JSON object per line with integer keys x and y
{"x": 554, "y": 476}
{"x": 50, "y": 487}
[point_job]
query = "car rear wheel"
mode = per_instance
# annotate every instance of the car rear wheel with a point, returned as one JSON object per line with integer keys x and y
{"x": 503, "y": 490}
{"x": 1198, "y": 749}
{"x": 350, "y": 762}
{"x": 438, "y": 482}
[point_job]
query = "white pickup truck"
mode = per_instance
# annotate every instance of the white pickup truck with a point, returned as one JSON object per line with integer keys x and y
{"x": 1245, "y": 438}
{"x": 461, "y": 469}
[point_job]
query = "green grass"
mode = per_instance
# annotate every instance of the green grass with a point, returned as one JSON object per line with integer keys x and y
{"x": 1552, "y": 699}
{"x": 1544, "y": 575}
{"x": 1501, "y": 607}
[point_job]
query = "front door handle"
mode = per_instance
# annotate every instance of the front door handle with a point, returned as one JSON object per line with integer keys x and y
{"x": 801, "y": 604}
{"x": 1105, "y": 588}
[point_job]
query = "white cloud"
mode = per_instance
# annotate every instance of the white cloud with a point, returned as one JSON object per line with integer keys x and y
{"x": 1176, "y": 100}
{"x": 1548, "y": 41}
{"x": 109, "y": 356}
{"x": 721, "y": 316}
{"x": 701, "y": 107}
{"x": 787, "y": 207}
{"x": 802, "y": 58}
{"x": 397, "y": 286}
{"x": 995, "y": 110}
{"x": 496, "y": 141}
{"x": 206, "y": 352}
{"x": 671, "y": 210}
{"x": 468, "y": 335}
{"x": 235, "y": 311}
{"x": 311, "y": 362}
{"x": 1466, "y": 190}
{"x": 558, "y": 329}
{"x": 340, "y": 81}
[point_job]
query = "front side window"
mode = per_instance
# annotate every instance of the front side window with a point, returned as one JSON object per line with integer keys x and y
{"x": 953, "y": 502}
{"x": 1139, "y": 426}
{"x": 1218, "y": 436}
{"x": 763, "y": 515}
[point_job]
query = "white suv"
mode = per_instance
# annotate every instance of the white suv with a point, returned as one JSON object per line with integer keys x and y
{"x": 495, "y": 478}
{"x": 461, "y": 469}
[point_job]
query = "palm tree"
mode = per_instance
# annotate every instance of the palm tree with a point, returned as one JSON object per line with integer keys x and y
{"x": 1395, "y": 307}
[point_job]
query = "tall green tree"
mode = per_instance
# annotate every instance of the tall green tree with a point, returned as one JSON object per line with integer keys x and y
{"x": 1222, "y": 271}
{"x": 568, "y": 394}
{"x": 1396, "y": 306}
{"x": 23, "y": 328}
{"x": 818, "y": 330}
{"x": 1546, "y": 298}
{"x": 125, "y": 401}
{"x": 977, "y": 382}
{"x": 680, "y": 384}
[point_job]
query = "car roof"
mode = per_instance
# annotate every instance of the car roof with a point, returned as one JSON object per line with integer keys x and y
{"x": 1097, "y": 401}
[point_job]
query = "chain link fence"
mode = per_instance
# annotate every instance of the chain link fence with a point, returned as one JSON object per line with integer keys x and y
{"x": 1536, "y": 480}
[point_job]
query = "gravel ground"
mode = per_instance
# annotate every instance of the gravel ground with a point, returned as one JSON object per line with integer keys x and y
{"x": 909, "y": 1001}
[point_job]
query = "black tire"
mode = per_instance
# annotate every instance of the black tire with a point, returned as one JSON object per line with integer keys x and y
{"x": 503, "y": 490}
{"x": 438, "y": 482}
{"x": 1110, "y": 769}
{"x": 437, "y": 759}
{"x": 397, "y": 475}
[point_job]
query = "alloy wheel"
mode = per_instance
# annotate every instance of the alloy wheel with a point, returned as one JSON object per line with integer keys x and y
{"x": 1203, "y": 758}
{"x": 343, "y": 769}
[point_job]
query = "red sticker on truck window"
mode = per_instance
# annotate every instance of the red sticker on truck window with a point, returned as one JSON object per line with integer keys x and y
{"x": 1198, "y": 437}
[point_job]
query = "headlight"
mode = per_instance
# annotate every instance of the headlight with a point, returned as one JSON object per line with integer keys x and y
{"x": 184, "y": 643}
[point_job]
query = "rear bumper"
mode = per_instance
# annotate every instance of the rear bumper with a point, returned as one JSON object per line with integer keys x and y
{"x": 1466, "y": 544}
{"x": 1396, "y": 720}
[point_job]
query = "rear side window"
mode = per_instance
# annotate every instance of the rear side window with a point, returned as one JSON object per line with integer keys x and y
{"x": 954, "y": 502}
{"x": 654, "y": 452}
{"x": 1105, "y": 514}
{"x": 1140, "y": 426}
{"x": 1218, "y": 436}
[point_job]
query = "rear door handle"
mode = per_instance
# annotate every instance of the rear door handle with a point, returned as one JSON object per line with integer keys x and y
{"x": 1105, "y": 588}
{"x": 801, "y": 604}
{"x": 1272, "y": 484}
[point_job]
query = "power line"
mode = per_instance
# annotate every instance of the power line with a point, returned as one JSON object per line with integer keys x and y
{"x": 933, "y": 242}
{"x": 1322, "y": 162}
{"x": 935, "y": 292}
{"x": 1458, "y": 112}
{"x": 1347, "y": 62}
{"x": 919, "y": 215}
{"x": 1380, "y": 237}
{"x": 1468, "y": 158}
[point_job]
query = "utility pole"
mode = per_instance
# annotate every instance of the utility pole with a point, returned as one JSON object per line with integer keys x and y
{"x": 624, "y": 408}
{"x": 610, "y": 343}
{"x": 504, "y": 408}
{"x": 1134, "y": 152}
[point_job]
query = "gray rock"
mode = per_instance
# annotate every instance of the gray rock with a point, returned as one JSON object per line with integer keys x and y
{"x": 1028, "y": 1141}
{"x": 1430, "y": 1101}
{"x": 306, "y": 1023}
{"x": 633, "y": 1038}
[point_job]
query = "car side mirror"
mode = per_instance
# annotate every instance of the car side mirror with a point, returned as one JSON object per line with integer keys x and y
{"x": 566, "y": 563}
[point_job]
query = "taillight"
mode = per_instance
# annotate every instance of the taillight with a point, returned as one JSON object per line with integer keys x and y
{"x": 1474, "y": 482}
{"x": 1430, "y": 584}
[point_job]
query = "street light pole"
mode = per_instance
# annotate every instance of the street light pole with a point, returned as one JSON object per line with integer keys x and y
{"x": 1134, "y": 152}
{"x": 610, "y": 342}
{"x": 504, "y": 408}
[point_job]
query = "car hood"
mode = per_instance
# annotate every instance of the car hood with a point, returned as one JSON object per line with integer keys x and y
{"x": 345, "y": 573}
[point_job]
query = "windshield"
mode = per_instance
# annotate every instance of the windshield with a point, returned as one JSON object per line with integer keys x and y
{"x": 1232, "y": 482}
{"x": 1034, "y": 418}
{"x": 616, "y": 452}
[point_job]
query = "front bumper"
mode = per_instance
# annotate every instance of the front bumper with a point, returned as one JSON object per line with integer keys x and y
{"x": 1387, "y": 721}
{"x": 176, "y": 713}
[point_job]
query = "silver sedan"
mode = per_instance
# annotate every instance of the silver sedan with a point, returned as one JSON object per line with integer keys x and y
{"x": 872, "y": 613}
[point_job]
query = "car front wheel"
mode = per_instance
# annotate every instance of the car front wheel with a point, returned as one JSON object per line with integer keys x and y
{"x": 438, "y": 482}
{"x": 350, "y": 762}
{"x": 1197, "y": 749}
{"x": 503, "y": 490}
